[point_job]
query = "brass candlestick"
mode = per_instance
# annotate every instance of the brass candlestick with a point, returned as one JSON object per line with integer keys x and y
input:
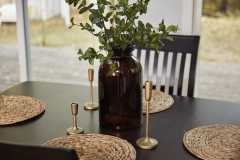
{"x": 147, "y": 143}
{"x": 74, "y": 129}
{"x": 91, "y": 104}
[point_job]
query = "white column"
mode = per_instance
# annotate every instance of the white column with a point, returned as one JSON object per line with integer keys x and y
{"x": 23, "y": 40}
{"x": 197, "y": 15}
{"x": 187, "y": 17}
{"x": 65, "y": 12}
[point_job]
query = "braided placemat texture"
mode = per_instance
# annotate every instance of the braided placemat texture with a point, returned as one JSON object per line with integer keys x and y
{"x": 160, "y": 101}
{"x": 19, "y": 108}
{"x": 96, "y": 146}
{"x": 214, "y": 142}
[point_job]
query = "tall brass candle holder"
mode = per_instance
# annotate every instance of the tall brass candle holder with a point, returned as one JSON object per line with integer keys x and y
{"x": 91, "y": 104}
{"x": 147, "y": 143}
{"x": 74, "y": 129}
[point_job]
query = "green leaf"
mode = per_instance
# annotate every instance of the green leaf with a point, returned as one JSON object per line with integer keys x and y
{"x": 88, "y": 26}
{"x": 148, "y": 25}
{"x": 109, "y": 33}
{"x": 122, "y": 23}
{"x": 93, "y": 50}
{"x": 71, "y": 20}
{"x": 159, "y": 47}
{"x": 96, "y": 20}
{"x": 130, "y": 24}
{"x": 80, "y": 52}
{"x": 81, "y": 5}
{"x": 108, "y": 47}
{"x": 138, "y": 38}
{"x": 101, "y": 47}
{"x": 81, "y": 25}
{"x": 80, "y": 58}
{"x": 162, "y": 27}
{"x": 140, "y": 44}
{"x": 154, "y": 45}
{"x": 124, "y": 46}
{"x": 94, "y": 11}
{"x": 152, "y": 34}
{"x": 88, "y": 53}
{"x": 117, "y": 20}
{"x": 145, "y": 37}
{"x": 90, "y": 6}
{"x": 172, "y": 28}
{"x": 109, "y": 14}
{"x": 99, "y": 56}
{"x": 91, "y": 61}
{"x": 84, "y": 9}
{"x": 101, "y": 40}
{"x": 110, "y": 54}
{"x": 100, "y": 24}
{"x": 110, "y": 73}
{"x": 91, "y": 16}
{"x": 168, "y": 38}
{"x": 141, "y": 25}
{"x": 108, "y": 61}
{"x": 147, "y": 45}
{"x": 102, "y": 9}
{"x": 111, "y": 20}
{"x": 102, "y": 59}
{"x": 113, "y": 66}
{"x": 120, "y": 14}
{"x": 154, "y": 40}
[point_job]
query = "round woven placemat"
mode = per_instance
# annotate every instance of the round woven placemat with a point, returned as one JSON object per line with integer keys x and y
{"x": 19, "y": 108}
{"x": 96, "y": 146}
{"x": 160, "y": 101}
{"x": 214, "y": 142}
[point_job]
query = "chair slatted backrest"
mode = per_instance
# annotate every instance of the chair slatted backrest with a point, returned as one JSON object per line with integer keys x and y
{"x": 9, "y": 151}
{"x": 172, "y": 70}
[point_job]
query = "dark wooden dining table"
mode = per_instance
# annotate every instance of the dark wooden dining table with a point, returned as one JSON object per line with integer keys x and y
{"x": 167, "y": 127}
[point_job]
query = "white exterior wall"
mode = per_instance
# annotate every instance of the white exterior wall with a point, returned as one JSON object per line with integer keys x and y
{"x": 184, "y": 13}
{"x": 169, "y": 10}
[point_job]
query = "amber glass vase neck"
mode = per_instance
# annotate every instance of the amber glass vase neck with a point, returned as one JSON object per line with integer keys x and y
{"x": 118, "y": 52}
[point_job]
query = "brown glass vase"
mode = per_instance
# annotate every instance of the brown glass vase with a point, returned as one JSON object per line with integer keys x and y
{"x": 120, "y": 95}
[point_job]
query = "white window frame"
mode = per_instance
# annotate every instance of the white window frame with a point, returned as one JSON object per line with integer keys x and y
{"x": 24, "y": 56}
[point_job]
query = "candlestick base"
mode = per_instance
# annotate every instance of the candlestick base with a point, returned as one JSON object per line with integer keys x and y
{"x": 78, "y": 130}
{"x": 147, "y": 143}
{"x": 89, "y": 106}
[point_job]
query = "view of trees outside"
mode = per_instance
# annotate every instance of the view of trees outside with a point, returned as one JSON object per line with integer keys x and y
{"x": 219, "y": 48}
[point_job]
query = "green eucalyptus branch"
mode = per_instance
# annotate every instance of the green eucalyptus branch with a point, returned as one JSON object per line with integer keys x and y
{"x": 124, "y": 32}
{"x": 98, "y": 3}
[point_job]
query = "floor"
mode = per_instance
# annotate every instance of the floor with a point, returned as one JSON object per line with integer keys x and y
{"x": 219, "y": 81}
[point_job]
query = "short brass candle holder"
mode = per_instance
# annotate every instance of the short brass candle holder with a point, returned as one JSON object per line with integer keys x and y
{"x": 147, "y": 143}
{"x": 91, "y": 104}
{"x": 74, "y": 129}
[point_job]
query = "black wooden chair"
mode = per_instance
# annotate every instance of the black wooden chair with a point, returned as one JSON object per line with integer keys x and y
{"x": 10, "y": 151}
{"x": 168, "y": 70}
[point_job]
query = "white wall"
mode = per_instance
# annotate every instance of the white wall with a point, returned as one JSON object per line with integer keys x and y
{"x": 184, "y": 13}
{"x": 169, "y": 10}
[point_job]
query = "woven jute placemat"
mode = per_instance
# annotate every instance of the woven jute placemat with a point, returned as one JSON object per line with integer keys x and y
{"x": 214, "y": 142}
{"x": 160, "y": 101}
{"x": 19, "y": 108}
{"x": 96, "y": 146}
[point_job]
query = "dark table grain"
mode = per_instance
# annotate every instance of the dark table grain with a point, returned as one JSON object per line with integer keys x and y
{"x": 168, "y": 127}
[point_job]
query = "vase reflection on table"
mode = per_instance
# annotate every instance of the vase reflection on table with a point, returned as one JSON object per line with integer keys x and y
{"x": 120, "y": 94}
